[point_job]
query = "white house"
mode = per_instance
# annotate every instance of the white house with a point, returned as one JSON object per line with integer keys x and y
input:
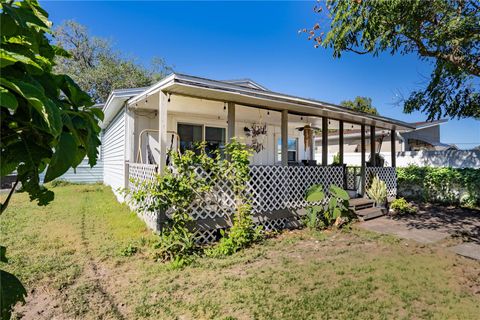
{"x": 425, "y": 136}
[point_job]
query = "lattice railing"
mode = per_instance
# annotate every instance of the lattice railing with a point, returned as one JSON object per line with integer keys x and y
{"x": 353, "y": 177}
{"x": 271, "y": 188}
{"x": 387, "y": 174}
{"x": 140, "y": 172}
{"x": 278, "y": 187}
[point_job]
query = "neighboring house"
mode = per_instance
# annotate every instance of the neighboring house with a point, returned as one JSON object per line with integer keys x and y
{"x": 425, "y": 136}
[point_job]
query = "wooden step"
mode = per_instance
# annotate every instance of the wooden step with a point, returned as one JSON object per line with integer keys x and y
{"x": 360, "y": 203}
{"x": 369, "y": 213}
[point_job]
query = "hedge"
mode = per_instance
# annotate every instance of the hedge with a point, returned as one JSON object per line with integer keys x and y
{"x": 440, "y": 185}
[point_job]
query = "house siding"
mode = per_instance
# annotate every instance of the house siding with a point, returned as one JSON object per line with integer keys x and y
{"x": 114, "y": 152}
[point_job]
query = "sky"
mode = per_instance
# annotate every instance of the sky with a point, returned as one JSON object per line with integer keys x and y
{"x": 260, "y": 41}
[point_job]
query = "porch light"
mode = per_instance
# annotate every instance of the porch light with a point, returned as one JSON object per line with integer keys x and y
{"x": 169, "y": 95}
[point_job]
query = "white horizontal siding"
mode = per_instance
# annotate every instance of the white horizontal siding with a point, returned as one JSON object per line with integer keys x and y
{"x": 82, "y": 174}
{"x": 113, "y": 143}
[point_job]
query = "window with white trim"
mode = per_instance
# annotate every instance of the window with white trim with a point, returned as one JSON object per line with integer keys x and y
{"x": 292, "y": 149}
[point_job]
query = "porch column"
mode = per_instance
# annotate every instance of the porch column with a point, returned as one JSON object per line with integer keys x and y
{"x": 362, "y": 169}
{"x": 372, "y": 147}
{"x": 393, "y": 140}
{"x": 231, "y": 120}
{"x": 340, "y": 141}
{"x": 162, "y": 130}
{"x": 324, "y": 141}
{"x": 284, "y": 136}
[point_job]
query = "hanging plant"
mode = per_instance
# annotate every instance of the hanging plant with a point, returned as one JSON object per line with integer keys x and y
{"x": 257, "y": 132}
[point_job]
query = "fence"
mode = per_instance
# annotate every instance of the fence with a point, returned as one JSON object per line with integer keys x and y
{"x": 277, "y": 192}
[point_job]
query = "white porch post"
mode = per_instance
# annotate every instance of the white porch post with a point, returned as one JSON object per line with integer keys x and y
{"x": 340, "y": 141}
{"x": 393, "y": 140}
{"x": 284, "y": 135}
{"x": 162, "y": 129}
{"x": 362, "y": 170}
{"x": 324, "y": 141}
{"x": 372, "y": 147}
{"x": 231, "y": 120}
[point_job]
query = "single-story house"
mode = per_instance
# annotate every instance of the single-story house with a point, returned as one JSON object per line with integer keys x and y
{"x": 142, "y": 124}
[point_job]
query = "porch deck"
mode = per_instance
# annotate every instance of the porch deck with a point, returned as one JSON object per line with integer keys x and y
{"x": 278, "y": 195}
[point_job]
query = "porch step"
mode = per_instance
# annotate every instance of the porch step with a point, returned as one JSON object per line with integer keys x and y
{"x": 369, "y": 213}
{"x": 360, "y": 203}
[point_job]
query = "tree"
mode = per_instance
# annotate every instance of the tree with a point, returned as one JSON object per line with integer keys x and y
{"x": 47, "y": 121}
{"x": 362, "y": 104}
{"x": 97, "y": 67}
{"x": 443, "y": 31}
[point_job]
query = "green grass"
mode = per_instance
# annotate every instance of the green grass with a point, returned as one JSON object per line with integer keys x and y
{"x": 79, "y": 249}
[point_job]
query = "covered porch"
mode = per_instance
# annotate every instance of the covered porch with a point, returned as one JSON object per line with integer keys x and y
{"x": 183, "y": 109}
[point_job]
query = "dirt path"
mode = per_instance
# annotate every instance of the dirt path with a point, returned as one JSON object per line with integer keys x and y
{"x": 47, "y": 303}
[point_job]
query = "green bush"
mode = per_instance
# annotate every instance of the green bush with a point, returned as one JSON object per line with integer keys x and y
{"x": 440, "y": 185}
{"x": 324, "y": 215}
{"x": 402, "y": 206}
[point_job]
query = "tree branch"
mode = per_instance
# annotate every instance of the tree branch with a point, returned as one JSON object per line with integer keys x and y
{"x": 5, "y": 204}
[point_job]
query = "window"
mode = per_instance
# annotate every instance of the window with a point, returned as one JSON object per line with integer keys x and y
{"x": 215, "y": 138}
{"x": 192, "y": 134}
{"x": 292, "y": 150}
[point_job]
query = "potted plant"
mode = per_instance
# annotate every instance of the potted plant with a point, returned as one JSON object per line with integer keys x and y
{"x": 378, "y": 193}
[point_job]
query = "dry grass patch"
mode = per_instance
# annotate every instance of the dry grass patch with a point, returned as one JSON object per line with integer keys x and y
{"x": 73, "y": 250}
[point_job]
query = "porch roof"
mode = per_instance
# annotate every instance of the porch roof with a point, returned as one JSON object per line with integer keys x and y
{"x": 230, "y": 92}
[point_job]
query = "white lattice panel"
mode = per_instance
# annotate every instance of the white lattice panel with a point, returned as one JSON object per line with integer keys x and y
{"x": 140, "y": 172}
{"x": 387, "y": 174}
{"x": 219, "y": 202}
{"x": 278, "y": 187}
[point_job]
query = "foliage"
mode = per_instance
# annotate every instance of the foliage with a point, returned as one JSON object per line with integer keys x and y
{"x": 12, "y": 290}
{"x": 243, "y": 232}
{"x": 402, "y": 206}
{"x": 377, "y": 191}
{"x": 97, "y": 67}
{"x": 336, "y": 159}
{"x": 443, "y": 31}
{"x": 441, "y": 185}
{"x": 361, "y": 104}
{"x": 175, "y": 190}
{"x": 321, "y": 215}
{"x": 46, "y": 118}
{"x": 129, "y": 250}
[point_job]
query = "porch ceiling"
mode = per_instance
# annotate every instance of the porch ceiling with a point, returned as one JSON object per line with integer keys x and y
{"x": 221, "y": 91}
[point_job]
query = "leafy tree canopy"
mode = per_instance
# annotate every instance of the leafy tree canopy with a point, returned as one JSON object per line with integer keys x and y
{"x": 362, "y": 104}
{"x": 46, "y": 118}
{"x": 444, "y": 31}
{"x": 97, "y": 67}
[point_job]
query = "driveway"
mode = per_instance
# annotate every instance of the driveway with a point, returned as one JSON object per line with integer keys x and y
{"x": 433, "y": 224}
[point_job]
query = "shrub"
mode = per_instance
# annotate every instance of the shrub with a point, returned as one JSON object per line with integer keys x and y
{"x": 180, "y": 186}
{"x": 378, "y": 191}
{"x": 323, "y": 215}
{"x": 401, "y": 206}
{"x": 440, "y": 185}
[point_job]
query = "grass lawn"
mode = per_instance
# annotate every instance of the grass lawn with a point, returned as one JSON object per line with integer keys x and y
{"x": 70, "y": 257}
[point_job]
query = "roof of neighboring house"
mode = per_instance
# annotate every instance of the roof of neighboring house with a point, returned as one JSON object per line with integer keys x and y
{"x": 248, "y": 93}
{"x": 424, "y": 124}
{"x": 356, "y": 132}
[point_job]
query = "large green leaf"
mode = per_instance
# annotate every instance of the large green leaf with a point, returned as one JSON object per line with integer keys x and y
{"x": 339, "y": 193}
{"x": 34, "y": 93}
{"x": 7, "y": 99}
{"x": 315, "y": 193}
{"x": 63, "y": 158}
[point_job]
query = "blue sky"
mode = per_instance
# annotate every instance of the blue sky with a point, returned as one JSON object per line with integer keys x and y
{"x": 257, "y": 40}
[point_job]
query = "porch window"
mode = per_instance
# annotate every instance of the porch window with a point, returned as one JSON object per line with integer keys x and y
{"x": 292, "y": 150}
{"x": 192, "y": 134}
